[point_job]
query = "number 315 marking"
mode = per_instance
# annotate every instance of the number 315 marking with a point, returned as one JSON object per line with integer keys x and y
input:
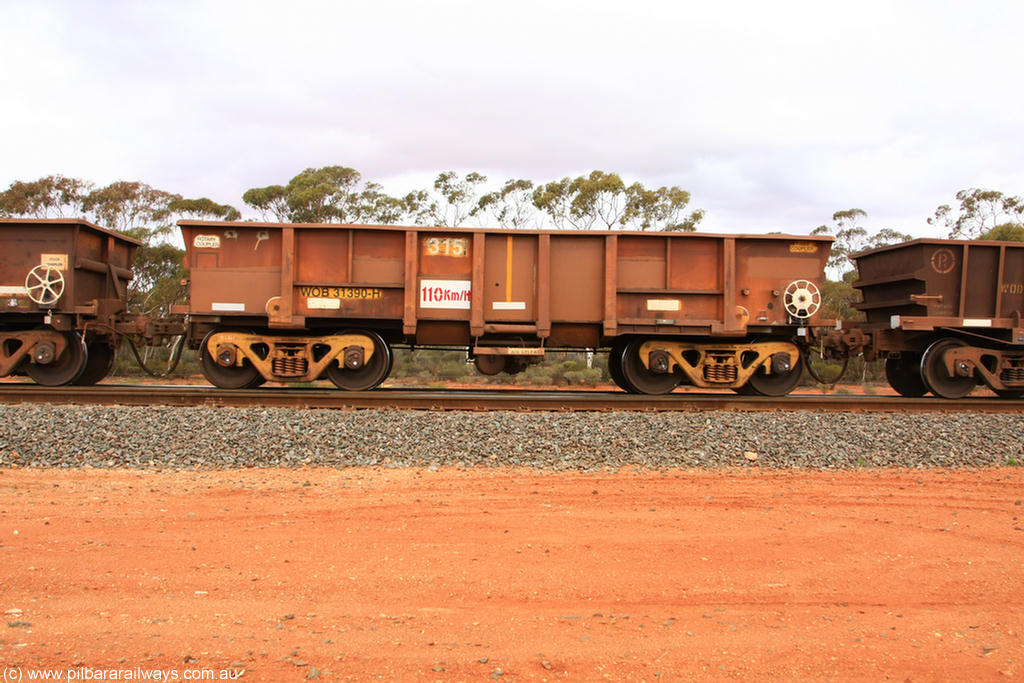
{"x": 447, "y": 246}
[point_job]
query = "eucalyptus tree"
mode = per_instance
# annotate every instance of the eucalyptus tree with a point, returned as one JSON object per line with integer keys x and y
{"x": 53, "y": 196}
{"x": 602, "y": 200}
{"x": 511, "y": 205}
{"x": 1006, "y": 232}
{"x": 452, "y": 202}
{"x": 332, "y": 194}
{"x": 979, "y": 211}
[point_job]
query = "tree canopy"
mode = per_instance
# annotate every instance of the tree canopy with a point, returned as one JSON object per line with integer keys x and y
{"x": 512, "y": 204}
{"x": 599, "y": 200}
{"x": 1007, "y": 232}
{"x": 316, "y": 195}
{"x": 603, "y": 201}
{"x": 53, "y": 196}
{"x": 979, "y": 212}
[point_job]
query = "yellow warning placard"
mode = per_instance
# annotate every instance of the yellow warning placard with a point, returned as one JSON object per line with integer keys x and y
{"x": 58, "y": 261}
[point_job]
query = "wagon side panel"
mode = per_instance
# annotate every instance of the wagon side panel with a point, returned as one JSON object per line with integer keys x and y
{"x": 234, "y": 270}
{"x": 1011, "y": 284}
{"x": 347, "y": 274}
{"x": 77, "y": 268}
{"x": 943, "y": 283}
{"x": 772, "y": 276}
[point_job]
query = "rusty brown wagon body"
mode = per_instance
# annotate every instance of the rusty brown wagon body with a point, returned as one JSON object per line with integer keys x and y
{"x": 946, "y": 315}
{"x": 63, "y": 287}
{"x": 292, "y": 302}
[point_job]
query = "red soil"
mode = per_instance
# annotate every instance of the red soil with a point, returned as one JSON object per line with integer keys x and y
{"x": 516, "y": 575}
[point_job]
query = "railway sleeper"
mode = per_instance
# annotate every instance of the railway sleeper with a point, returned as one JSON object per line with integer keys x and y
{"x": 291, "y": 359}
{"x": 720, "y": 365}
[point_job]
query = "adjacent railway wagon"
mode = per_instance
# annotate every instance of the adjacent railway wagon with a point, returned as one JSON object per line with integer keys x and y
{"x": 295, "y": 303}
{"x": 945, "y": 316}
{"x": 63, "y": 291}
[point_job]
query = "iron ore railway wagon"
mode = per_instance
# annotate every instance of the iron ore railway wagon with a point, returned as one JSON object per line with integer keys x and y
{"x": 945, "y": 316}
{"x": 297, "y": 302}
{"x": 63, "y": 299}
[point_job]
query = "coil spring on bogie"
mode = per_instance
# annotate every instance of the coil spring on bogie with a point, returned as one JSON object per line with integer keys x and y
{"x": 290, "y": 366}
{"x": 1013, "y": 375}
{"x": 715, "y": 370}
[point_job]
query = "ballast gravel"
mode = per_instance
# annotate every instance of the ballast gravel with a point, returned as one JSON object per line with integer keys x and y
{"x": 177, "y": 438}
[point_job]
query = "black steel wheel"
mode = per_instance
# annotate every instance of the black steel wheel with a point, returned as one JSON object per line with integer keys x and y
{"x": 64, "y": 369}
{"x": 615, "y": 367}
{"x": 904, "y": 374}
{"x": 371, "y": 374}
{"x": 244, "y": 376}
{"x": 489, "y": 365}
{"x": 935, "y": 376}
{"x": 639, "y": 378}
{"x": 98, "y": 365}
{"x": 775, "y": 384}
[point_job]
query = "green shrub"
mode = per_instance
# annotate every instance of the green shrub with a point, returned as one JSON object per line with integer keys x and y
{"x": 585, "y": 376}
{"x": 453, "y": 369}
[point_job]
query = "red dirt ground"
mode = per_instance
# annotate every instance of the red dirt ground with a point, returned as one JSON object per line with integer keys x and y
{"x": 515, "y": 575}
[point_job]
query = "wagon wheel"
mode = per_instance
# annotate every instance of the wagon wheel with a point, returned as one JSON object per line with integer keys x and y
{"x": 489, "y": 365}
{"x": 904, "y": 374}
{"x": 777, "y": 383}
{"x": 615, "y": 367}
{"x": 642, "y": 380}
{"x": 935, "y": 376}
{"x": 45, "y": 285}
{"x": 244, "y": 376}
{"x": 370, "y": 374}
{"x": 98, "y": 365}
{"x": 64, "y": 369}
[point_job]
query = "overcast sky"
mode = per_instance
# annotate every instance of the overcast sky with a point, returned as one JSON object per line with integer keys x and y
{"x": 773, "y": 115}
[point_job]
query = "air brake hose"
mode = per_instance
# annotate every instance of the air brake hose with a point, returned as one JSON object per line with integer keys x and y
{"x": 814, "y": 374}
{"x": 172, "y": 362}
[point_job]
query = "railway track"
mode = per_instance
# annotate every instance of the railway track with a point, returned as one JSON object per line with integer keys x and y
{"x": 482, "y": 399}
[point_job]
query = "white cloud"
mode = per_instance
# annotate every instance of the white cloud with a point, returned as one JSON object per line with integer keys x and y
{"x": 773, "y": 115}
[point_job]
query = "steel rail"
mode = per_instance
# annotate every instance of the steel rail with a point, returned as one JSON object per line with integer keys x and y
{"x": 483, "y": 399}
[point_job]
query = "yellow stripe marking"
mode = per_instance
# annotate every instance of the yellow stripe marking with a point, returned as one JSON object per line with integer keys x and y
{"x": 508, "y": 268}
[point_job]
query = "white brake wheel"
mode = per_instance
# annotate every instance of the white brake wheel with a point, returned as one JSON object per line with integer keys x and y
{"x": 802, "y": 299}
{"x": 45, "y": 285}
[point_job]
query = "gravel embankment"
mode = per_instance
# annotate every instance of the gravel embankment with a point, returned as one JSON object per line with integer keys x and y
{"x": 78, "y": 436}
